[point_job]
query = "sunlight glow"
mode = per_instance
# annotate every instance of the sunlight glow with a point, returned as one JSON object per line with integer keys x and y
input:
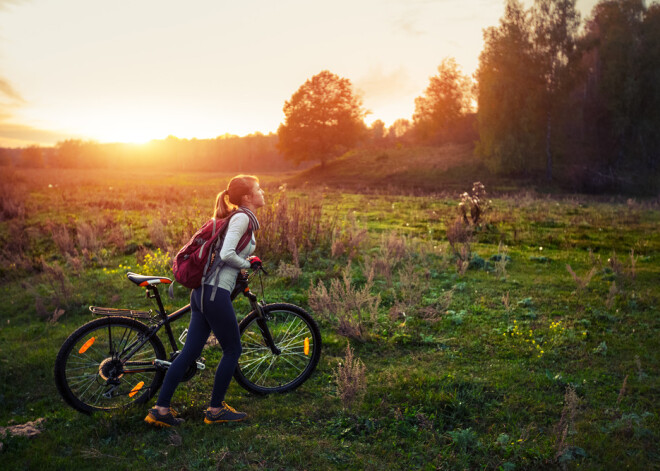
{"x": 149, "y": 69}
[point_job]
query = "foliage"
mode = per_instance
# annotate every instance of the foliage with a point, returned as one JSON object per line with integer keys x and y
{"x": 440, "y": 112}
{"x": 510, "y": 130}
{"x": 556, "y": 25}
{"x": 581, "y": 105}
{"x": 622, "y": 66}
{"x": 323, "y": 119}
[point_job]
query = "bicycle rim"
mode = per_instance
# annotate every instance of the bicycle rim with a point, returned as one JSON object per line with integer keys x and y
{"x": 94, "y": 369}
{"x": 297, "y": 336}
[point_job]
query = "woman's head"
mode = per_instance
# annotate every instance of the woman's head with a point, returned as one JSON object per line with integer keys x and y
{"x": 242, "y": 190}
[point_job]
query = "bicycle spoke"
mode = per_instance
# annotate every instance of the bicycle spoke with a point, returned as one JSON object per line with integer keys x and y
{"x": 264, "y": 371}
{"x": 102, "y": 376}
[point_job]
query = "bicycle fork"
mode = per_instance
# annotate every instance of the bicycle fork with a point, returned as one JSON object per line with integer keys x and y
{"x": 263, "y": 326}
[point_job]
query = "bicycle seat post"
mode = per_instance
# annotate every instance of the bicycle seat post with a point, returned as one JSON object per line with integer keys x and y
{"x": 155, "y": 294}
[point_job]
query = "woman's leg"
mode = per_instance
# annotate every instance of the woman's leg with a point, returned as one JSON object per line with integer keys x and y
{"x": 220, "y": 316}
{"x": 198, "y": 333}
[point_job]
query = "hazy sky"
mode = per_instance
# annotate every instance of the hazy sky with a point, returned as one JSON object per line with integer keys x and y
{"x": 130, "y": 71}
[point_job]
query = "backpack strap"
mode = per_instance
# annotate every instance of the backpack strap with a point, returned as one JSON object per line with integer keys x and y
{"x": 216, "y": 268}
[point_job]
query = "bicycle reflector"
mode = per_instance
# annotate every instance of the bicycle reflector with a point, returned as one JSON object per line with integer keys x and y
{"x": 136, "y": 389}
{"x": 306, "y": 345}
{"x": 86, "y": 345}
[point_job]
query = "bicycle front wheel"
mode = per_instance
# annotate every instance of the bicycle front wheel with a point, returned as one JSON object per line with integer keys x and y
{"x": 107, "y": 364}
{"x": 298, "y": 339}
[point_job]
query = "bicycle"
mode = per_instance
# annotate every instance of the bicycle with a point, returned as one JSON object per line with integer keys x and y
{"x": 118, "y": 360}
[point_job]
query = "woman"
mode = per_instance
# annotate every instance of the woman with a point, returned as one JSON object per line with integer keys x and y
{"x": 239, "y": 201}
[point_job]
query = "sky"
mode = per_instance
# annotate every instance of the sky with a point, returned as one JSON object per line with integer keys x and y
{"x": 132, "y": 71}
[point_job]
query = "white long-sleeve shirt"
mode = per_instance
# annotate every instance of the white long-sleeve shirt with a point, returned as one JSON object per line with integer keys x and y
{"x": 233, "y": 262}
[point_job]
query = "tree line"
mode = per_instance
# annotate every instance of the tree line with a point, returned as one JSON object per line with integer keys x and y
{"x": 554, "y": 98}
{"x": 230, "y": 153}
{"x": 573, "y": 100}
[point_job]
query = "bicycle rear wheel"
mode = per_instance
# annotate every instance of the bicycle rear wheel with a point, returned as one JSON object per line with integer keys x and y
{"x": 296, "y": 335}
{"x": 103, "y": 366}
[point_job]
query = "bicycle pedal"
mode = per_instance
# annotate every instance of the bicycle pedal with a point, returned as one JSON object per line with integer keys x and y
{"x": 200, "y": 363}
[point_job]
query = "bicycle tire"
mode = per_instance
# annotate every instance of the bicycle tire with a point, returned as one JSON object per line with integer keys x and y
{"x": 298, "y": 337}
{"x": 91, "y": 375}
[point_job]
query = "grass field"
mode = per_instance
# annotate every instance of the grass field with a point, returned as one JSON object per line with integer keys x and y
{"x": 526, "y": 341}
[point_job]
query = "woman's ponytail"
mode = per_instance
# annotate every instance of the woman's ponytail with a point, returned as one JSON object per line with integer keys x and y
{"x": 223, "y": 207}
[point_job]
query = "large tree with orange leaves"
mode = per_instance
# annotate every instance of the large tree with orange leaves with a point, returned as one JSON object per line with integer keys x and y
{"x": 323, "y": 119}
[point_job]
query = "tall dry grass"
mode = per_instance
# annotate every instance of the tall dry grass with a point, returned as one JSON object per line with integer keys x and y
{"x": 352, "y": 311}
{"x": 350, "y": 377}
{"x": 565, "y": 429}
{"x": 63, "y": 240}
{"x": 293, "y": 223}
{"x": 392, "y": 249}
{"x": 350, "y": 238}
{"x": 13, "y": 196}
{"x": 459, "y": 236}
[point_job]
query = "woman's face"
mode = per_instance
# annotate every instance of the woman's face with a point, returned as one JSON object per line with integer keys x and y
{"x": 256, "y": 197}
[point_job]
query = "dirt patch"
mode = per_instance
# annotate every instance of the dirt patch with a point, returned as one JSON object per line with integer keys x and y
{"x": 29, "y": 429}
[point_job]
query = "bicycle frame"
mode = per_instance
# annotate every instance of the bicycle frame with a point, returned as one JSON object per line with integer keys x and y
{"x": 242, "y": 286}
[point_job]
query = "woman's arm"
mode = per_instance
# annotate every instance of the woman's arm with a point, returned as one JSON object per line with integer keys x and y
{"x": 238, "y": 224}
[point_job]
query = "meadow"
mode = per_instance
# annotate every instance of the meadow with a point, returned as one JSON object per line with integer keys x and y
{"x": 526, "y": 338}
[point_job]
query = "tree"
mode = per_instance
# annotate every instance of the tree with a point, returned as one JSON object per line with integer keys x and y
{"x": 555, "y": 23}
{"x": 621, "y": 56}
{"x": 377, "y": 133}
{"x": 399, "y": 131}
{"x": 508, "y": 118}
{"x": 323, "y": 119}
{"x": 447, "y": 100}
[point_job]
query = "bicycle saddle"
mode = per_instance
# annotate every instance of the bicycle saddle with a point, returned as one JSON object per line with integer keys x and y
{"x": 142, "y": 280}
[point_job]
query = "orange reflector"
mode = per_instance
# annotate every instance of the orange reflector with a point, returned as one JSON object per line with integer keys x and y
{"x": 306, "y": 345}
{"x": 86, "y": 345}
{"x": 135, "y": 390}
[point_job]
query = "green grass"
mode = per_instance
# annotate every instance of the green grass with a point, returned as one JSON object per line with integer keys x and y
{"x": 455, "y": 391}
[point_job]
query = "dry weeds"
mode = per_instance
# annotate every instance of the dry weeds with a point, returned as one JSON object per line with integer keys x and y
{"x": 349, "y": 239}
{"x": 352, "y": 310}
{"x": 566, "y": 427}
{"x": 611, "y": 296}
{"x": 581, "y": 282}
{"x": 351, "y": 379}
{"x": 502, "y": 260}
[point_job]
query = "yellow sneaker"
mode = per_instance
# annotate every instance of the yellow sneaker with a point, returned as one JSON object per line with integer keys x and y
{"x": 226, "y": 414}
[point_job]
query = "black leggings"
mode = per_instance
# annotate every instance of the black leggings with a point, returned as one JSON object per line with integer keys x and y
{"x": 219, "y": 317}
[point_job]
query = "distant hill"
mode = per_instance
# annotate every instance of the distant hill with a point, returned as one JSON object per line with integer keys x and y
{"x": 449, "y": 168}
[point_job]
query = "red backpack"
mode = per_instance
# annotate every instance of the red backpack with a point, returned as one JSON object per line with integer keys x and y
{"x": 193, "y": 260}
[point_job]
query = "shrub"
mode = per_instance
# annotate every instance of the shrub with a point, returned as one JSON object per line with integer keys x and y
{"x": 351, "y": 379}
{"x": 351, "y": 310}
{"x": 472, "y": 207}
{"x": 348, "y": 239}
{"x": 12, "y": 201}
